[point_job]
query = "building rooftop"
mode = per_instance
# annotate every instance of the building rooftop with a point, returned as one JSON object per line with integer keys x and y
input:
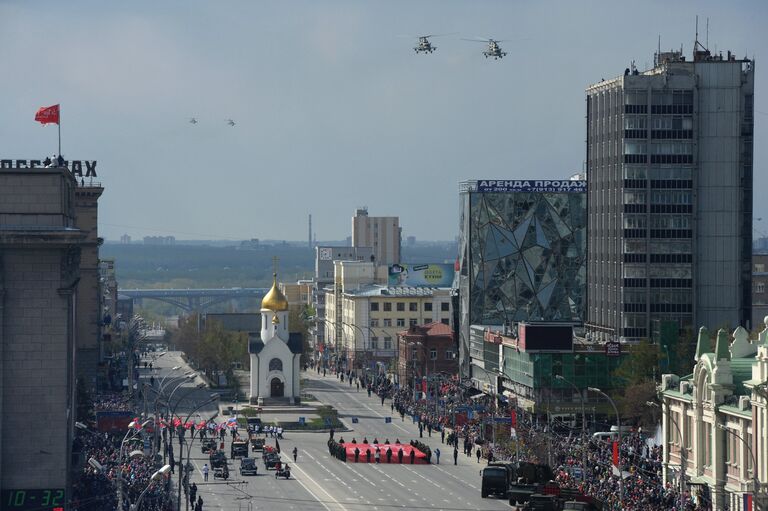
{"x": 433, "y": 329}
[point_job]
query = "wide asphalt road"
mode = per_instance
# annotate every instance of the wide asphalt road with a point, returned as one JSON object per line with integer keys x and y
{"x": 320, "y": 482}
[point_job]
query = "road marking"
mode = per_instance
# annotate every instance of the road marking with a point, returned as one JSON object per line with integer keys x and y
{"x": 318, "y": 486}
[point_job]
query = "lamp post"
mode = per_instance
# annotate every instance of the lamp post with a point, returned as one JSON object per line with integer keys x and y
{"x": 583, "y": 427}
{"x": 683, "y": 463}
{"x": 618, "y": 426}
{"x": 131, "y": 429}
{"x": 189, "y": 452}
{"x": 756, "y": 493}
{"x": 155, "y": 477}
{"x": 335, "y": 346}
{"x": 214, "y": 397}
{"x": 352, "y": 325}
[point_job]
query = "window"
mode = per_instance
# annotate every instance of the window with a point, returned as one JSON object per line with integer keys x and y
{"x": 275, "y": 364}
{"x": 413, "y": 307}
{"x": 760, "y": 288}
{"x": 433, "y": 354}
{"x": 374, "y": 323}
{"x": 374, "y": 306}
{"x": 387, "y": 343}
{"x": 414, "y": 353}
{"x": 445, "y": 321}
{"x": 400, "y": 306}
{"x": 387, "y": 322}
{"x": 759, "y": 267}
{"x": 449, "y": 355}
{"x": 387, "y": 306}
{"x": 400, "y": 321}
{"x": 427, "y": 306}
{"x": 445, "y": 306}
{"x": 413, "y": 322}
{"x": 374, "y": 343}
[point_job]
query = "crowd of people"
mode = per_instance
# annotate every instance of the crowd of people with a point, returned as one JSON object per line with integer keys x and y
{"x": 96, "y": 487}
{"x": 642, "y": 486}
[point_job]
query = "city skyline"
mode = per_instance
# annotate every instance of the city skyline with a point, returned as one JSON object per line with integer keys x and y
{"x": 328, "y": 103}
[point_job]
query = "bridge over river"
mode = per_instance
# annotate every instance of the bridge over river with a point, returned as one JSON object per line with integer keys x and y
{"x": 194, "y": 299}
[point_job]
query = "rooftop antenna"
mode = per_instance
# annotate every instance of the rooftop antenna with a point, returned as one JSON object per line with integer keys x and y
{"x": 706, "y": 39}
{"x": 658, "y": 53}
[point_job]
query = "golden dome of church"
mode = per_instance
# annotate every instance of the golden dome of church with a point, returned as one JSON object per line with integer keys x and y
{"x": 275, "y": 300}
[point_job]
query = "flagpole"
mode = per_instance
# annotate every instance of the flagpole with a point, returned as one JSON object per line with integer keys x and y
{"x": 59, "y": 125}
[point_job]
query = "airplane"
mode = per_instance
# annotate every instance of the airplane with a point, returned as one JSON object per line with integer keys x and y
{"x": 230, "y": 122}
{"x": 493, "y": 49}
{"x": 193, "y": 120}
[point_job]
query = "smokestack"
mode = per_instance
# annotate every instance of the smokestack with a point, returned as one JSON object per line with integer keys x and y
{"x": 309, "y": 239}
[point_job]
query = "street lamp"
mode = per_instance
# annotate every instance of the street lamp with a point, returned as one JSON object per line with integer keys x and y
{"x": 756, "y": 494}
{"x": 132, "y": 430}
{"x": 352, "y": 325}
{"x": 583, "y": 426}
{"x": 155, "y": 477}
{"x": 683, "y": 463}
{"x": 618, "y": 426}
{"x": 189, "y": 449}
{"x": 211, "y": 399}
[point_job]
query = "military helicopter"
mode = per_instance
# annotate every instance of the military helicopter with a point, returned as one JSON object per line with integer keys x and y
{"x": 230, "y": 122}
{"x": 193, "y": 120}
{"x": 493, "y": 49}
{"x": 424, "y": 45}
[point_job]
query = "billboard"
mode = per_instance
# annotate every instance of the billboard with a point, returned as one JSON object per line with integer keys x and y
{"x": 532, "y": 185}
{"x": 420, "y": 275}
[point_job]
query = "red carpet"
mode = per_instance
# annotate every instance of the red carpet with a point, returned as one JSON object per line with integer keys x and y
{"x": 419, "y": 457}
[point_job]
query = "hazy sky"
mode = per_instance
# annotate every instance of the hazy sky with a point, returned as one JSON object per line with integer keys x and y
{"x": 333, "y": 109}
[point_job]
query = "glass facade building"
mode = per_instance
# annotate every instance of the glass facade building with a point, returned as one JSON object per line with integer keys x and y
{"x": 522, "y": 254}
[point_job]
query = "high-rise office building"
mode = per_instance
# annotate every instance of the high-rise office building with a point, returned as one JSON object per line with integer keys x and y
{"x": 382, "y": 233}
{"x": 669, "y": 172}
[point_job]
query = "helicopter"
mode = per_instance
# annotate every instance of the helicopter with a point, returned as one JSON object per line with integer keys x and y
{"x": 230, "y": 122}
{"x": 424, "y": 45}
{"x": 493, "y": 49}
{"x": 193, "y": 120}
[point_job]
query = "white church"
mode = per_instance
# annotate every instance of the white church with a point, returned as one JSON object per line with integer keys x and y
{"x": 275, "y": 355}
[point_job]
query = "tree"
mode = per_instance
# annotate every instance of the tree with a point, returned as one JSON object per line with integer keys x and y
{"x": 632, "y": 404}
{"x": 641, "y": 365}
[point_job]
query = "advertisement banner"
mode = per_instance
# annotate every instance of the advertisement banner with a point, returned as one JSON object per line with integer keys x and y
{"x": 421, "y": 275}
{"x": 531, "y": 185}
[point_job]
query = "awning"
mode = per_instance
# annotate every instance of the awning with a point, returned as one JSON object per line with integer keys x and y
{"x": 477, "y": 396}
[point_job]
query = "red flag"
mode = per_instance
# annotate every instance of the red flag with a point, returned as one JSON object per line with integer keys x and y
{"x": 616, "y": 454}
{"x": 48, "y": 115}
{"x": 513, "y": 418}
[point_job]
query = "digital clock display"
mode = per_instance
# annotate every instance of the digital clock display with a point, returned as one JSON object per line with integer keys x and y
{"x": 28, "y": 500}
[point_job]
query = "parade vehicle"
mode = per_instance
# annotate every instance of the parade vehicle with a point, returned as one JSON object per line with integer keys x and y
{"x": 207, "y": 445}
{"x": 257, "y": 443}
{"x": 248, "y": 467}
{"x": 283, "y": 472}
{"x": 271, "y": 460}
{"x": 221, "y": 472}
{"x": 217, "y": 459}
{"x": 239, "y": 449}
{"x": 531, "y": 479}
{"x": 587, "y": 505}
{"x": 497, "y": 478}
{"x": 495, "y": 481}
